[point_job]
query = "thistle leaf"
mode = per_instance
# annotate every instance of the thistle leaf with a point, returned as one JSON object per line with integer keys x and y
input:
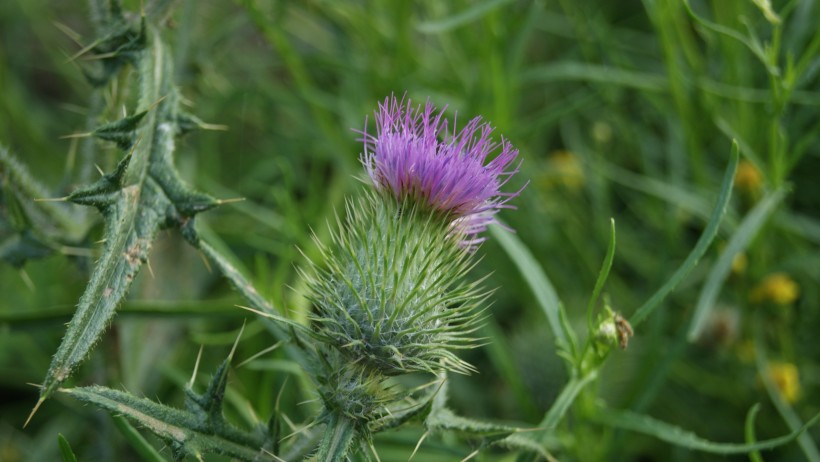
{"x": 30, "y": 229}
{"x": 184, "y": 431}
{"x": 142, "y": 195}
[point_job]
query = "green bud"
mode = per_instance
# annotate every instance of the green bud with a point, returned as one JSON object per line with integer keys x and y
{"x": 613, "y": 329}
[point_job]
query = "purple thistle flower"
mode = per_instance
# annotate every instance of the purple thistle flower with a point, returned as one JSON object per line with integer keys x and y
{"x": 414, "y": 156}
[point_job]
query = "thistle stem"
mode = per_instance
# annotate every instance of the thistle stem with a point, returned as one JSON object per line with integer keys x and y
{"x": 339, "y": 436}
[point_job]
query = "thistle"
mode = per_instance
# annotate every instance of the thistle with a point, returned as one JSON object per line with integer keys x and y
{"x": 414, "y": 156}
{"x": 390, "y": 296}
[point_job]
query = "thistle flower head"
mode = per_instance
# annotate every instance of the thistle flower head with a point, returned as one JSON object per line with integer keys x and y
{"x": 391, "y": 292}
{"x": 414, "y": 155}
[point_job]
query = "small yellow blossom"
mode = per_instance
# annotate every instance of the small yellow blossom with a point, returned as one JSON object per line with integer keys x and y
{"x": 566, "y": 170}
{"x": 601, "y": 132}
{"x": 739, "y": 263}
{"x": 745, "y": 351}
{"x": 777, "y": 288}
{"x": 787, "y": 380}
{"x": 748, "y": 178}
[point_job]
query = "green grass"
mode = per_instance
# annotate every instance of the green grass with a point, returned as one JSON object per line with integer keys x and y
{"x": 644, "y": 99}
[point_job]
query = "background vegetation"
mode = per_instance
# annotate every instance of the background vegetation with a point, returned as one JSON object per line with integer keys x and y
{"x": 620, "y": 109}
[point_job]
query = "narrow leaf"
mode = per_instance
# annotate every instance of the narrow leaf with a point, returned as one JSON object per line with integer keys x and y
{"x": 701, "y": 246}
{"x": 564, "y": 400}
{"x": 640, "y": 423}
{"x": 138, "y": 442}
{"x": 717, "y": 276}
{"x": 603, "y": 274}
{"x": 538, "y": 281}
{"x": 65, "y": 449}
{"x": 475, "y": 12}
{"x": 749, "y": 431}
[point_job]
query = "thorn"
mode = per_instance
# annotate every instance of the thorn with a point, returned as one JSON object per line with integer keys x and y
{"x": 472, "y": 454}
{"x": 279, "y": 395}
{"x": 34, "y": 411}
{"x": 214, "y": 127}
{"x": 76, "y": 135}
{"x": 303, "y": 429}
{"x": 134, "y": 147}
{"x": 275, "y": 457}
{"x": 196, "y": 367}
{"x": 51, "y": 199}
{"x": 74, "y": 108}
{"x": 230, "y": 201}
{"x": 156, "y": 103}
{"x": 373, "y": 450}
{"x": 205, "y": 261}
{"x": 83, "y": 51}
{"x": 71, "y": 157}
{"x": 260, "y": 313}
{"x": 76, "y": 251}
{"x": 265, "y": 351}
{"x": 99, "y": 170}
{"x": 236, "y": 342}
{"x": 418, "y": 445}
{"x": 110, "y": 54}
{"x": 26, "y": 279}
{"x": 288, "y": 422}
{"x": 150, "y": 270}
{"x": 35, "y": 385}
{"x": 71, "y": 33}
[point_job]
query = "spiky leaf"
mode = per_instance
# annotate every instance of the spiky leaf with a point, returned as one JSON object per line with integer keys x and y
{"x": 182, "y": 429}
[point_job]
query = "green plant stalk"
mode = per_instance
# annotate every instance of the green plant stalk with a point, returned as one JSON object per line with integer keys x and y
{"x": 665, "y": 17}
{"x": 340, "y": 434}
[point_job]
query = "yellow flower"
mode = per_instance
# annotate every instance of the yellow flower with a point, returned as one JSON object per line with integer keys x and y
{"x": 566, "y": 170}
{"x": 601, "y": 132}
{"x": 739, "y": 263}
{"x": 787, "y": 380}
{"x": 748, "y": 178}
{"x": 777, "y": 288}
{"x": 746, "y": 351}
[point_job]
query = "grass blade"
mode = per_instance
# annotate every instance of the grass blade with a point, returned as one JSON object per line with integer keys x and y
{"x": 65, "y": 449}
{"x": 602, "y": 276}
{"x": 473, "y": 13}
{"x": 147, "y": 452}
{"x": 672, "y": 434}
{"x": 538, "y": 281}
{"x": 700, "y": 248}
{"x": 746, "y": 231}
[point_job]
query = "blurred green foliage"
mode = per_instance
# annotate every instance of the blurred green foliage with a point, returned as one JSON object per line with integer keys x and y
{"x": 620, "y": 109}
